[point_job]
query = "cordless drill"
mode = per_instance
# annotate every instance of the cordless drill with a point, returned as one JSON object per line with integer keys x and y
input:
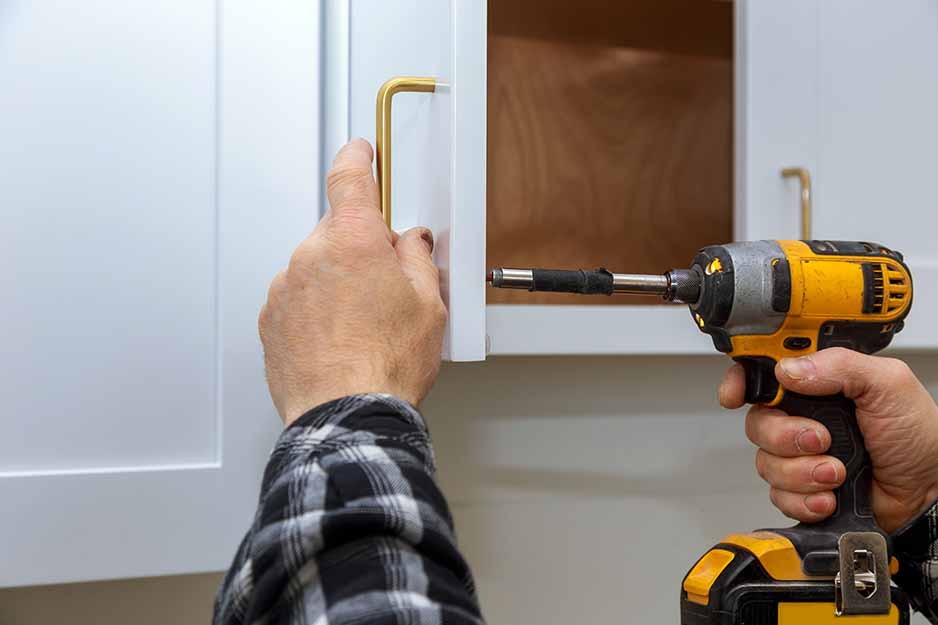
{"x": 762, "y": 301}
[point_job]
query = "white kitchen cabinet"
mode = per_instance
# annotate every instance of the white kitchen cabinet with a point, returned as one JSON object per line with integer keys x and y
{"x": 158, "y": 163}
{"x": 877, "y": 76}
{"x": 786, "y": 111}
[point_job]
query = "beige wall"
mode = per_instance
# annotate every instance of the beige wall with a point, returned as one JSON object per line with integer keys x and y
{"x": 583, "y": 488}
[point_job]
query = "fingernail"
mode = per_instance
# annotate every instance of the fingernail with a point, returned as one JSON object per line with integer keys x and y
{"x": 809, "y": 441}
{"x": 825, "y": 473}
{"x": 427, "y": 237}
{"x": 798, "y": 368}
{"x": 818, "y": 503}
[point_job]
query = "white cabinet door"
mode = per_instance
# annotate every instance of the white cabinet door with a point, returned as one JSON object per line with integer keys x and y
{"x": 776, "y": 113}
{"x": 438, "y": 138}
{"x": 877, "y": 103}
{"x": 158, "y": 163}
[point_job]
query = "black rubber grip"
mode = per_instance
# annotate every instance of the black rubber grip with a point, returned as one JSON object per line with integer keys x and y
{"x": 839, "y": 415}
{"x": 854, "y": 510}
{"x": 598, "y": 282}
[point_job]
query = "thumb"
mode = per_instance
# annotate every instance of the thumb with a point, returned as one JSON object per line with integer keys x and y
{"x": 350, "y": 185}
{"x": 839, "y": 370}
{"x": 414, "y": 249}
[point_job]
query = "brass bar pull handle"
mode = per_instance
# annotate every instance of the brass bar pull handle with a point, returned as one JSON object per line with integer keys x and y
{"x": 401, "y": 84}
{"x": 805, "y": 177}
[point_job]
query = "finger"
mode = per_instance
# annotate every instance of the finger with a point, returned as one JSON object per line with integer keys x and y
{"x": 350, "y": 184}
{"x": 784, "y": 435}
{"x": 732, "y": 392}
{"x": 808, "y": 508}
{"x": 839, "y": 370}
{"x": 414, "y": 251}
{"x": 813, "y": 474}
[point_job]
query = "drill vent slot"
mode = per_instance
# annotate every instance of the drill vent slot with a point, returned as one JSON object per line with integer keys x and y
{"x": 879, "y": 288}
{"x": 897, "y": 291}
{"x": 886, "y": 289}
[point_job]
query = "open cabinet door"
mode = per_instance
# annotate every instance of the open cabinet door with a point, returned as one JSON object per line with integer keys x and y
{"x": 157, "y": 167}
{"x": 438, "y": 138}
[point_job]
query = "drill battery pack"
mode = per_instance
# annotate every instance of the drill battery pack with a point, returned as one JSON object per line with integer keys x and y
{"x": 756, "y": 579}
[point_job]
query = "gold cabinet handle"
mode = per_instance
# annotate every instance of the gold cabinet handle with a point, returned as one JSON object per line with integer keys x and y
{"x": 805, "y": 177}
{"x": 401, "y": 84}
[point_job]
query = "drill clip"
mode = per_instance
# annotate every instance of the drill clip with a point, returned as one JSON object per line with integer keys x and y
{"x": 862, "y": 586}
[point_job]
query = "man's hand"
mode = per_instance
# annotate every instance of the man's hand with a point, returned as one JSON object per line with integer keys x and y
{"x": 358, "y": 309}
{"x": 897, "y": 416}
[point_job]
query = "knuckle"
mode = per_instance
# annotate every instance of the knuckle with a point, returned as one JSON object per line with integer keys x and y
{"x": 440, "y": 314}
{"x": 354, "y": 234}
{"x": 350, "y": 175}
{"x": 753, "y": 424}
{"x": 784, "y": 439}
{"x": 775, "y": 498}
{"x": 301, "y": 261}
{"x": 840, "y": 357}
{"x": 761, "y": 465}
{"x": 898, "y": 370}
{"x": 432, "y": 269}
{"x": 797, "y": 472}
{"x": 276, "y": 288}
{"x": 355, "y": 183}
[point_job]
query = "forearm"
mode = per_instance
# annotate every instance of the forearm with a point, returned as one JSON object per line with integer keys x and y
{"x": 351, "y": 526}
{"x": 916, "y": 547}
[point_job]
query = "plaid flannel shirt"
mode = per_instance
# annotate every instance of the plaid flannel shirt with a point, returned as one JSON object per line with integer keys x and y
{"x": 916, "y": 548}
{"x": 351, "y": 527}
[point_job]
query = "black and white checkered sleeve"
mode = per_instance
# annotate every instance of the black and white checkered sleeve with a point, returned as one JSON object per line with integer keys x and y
{"x": 916, "y": 548}
{"x": 351, "y": 527}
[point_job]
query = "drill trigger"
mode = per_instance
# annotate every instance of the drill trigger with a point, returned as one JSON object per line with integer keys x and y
{"x": 761, "y": 384}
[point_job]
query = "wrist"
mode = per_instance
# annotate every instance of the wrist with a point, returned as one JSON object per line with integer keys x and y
{"x": 899, "y": 509}
{"x": 297, "y": 406}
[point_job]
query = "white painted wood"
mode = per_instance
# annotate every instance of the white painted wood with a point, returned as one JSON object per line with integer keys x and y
{"x": 573, "y": 330}
{"x": 878, "y": 80}
{"x": 157, "y": 166}
{"x": 108, "y": 153}
{"x": 466, "y": 240}
{"x": 335, "y": 86}
{"x": 776, "y": 113}
{"x": 438, "y": 139}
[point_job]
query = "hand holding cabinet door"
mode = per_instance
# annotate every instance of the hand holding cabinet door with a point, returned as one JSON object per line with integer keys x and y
{"x": 358, "y": 309}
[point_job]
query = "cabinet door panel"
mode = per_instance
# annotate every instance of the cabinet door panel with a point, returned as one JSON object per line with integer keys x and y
{"x": 135, "y": 169}
{"x": 108, "y": 248}
{"x": 438, "y": 139}
{"x": 878, "y": 93}
{"x": 776, "y": 113}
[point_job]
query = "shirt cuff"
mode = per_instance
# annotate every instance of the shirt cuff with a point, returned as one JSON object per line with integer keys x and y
{"x": 355, "y": 408}
{"x": 351, "y": 420}
{"x": 916, "y": 548}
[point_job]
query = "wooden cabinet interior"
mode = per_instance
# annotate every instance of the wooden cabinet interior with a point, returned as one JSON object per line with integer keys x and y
{"x": 609, "y": 136}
